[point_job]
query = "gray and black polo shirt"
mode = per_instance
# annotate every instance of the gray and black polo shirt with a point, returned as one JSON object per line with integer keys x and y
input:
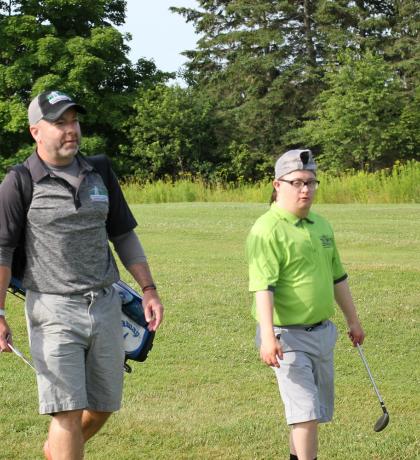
{"x": 67, "y": 228}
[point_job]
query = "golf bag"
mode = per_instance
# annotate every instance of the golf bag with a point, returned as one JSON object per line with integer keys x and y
{"x": 138, "y": 340}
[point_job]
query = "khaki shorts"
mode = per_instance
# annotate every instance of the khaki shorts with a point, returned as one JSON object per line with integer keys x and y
{"x": 77, "y": 348}
{"x": 306, "y": 373}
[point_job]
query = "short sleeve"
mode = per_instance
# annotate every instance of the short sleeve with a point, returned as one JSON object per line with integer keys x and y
{"x": 264, "y": 259}
{"x": 120, "y": 218}
{"x": 339, "y": 274}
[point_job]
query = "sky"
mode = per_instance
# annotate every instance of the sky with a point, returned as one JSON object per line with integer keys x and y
{"x": 159, "y": 34}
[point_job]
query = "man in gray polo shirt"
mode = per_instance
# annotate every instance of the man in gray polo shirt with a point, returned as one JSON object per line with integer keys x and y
{"x": 73, "y": 313}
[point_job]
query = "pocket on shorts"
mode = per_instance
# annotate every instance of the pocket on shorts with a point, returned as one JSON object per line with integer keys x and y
{"x": 333, "y": 333}
{"x": 39, "y": 310}
{"x": 50, "y": 309}
{"x": 283, "y": 337}
{"x": 258, "y": 336}
{"x": 115, "y": 292}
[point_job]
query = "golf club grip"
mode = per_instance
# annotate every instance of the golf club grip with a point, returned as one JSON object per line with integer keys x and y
{"x": 360, "y": 350}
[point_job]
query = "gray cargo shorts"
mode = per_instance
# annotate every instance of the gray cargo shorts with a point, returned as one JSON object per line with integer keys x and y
{"x": 76, "y": 344}
{"x": 306, "y": 373}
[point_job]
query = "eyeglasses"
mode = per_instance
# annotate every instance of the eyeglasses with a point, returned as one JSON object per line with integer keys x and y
{"x": 298, "y": 184}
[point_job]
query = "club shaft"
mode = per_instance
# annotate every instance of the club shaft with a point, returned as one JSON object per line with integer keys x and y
{"x": 20, "y": 355}
{"x": 360, "y": 350}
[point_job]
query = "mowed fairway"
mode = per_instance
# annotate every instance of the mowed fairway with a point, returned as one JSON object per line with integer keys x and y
{"x": 203, "y": 394}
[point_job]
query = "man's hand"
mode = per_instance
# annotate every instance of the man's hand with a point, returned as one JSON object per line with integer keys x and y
{"x": 153, "y": 309}
{"x": 271, "y": 351}
{"x": 356, "y": 333}
{"x": 5, "y": 335}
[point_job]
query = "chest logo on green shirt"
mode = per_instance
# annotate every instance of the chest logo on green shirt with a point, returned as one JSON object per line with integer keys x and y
{"x": 326, "y": 241}
{"x": 98, "y": 194}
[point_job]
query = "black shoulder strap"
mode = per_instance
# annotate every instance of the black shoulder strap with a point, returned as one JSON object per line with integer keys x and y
{"x": 25, "y": 185}
{"x": 24, "y": 178}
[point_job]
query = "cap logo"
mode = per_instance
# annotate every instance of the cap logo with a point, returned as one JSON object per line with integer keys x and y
{"x": 57, "y": 96}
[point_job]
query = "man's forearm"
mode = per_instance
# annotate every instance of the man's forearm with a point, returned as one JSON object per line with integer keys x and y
{"x": 265, "y": 305}
{"x": 344, "y": 300}
{"x": 153, "y": 308}
{"x": 5, "y": 275}
{"x": 142, "y": 274}
{"x": 270, "y": 349}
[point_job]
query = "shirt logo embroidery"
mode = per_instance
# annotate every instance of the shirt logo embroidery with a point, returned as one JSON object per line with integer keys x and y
{"x": 326, "y": 241}
{"x": 98, "y": 194}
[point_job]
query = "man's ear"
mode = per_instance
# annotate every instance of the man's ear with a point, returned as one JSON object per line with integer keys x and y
{"x": 34, "y": 130}
{"x": 276, "y": 184}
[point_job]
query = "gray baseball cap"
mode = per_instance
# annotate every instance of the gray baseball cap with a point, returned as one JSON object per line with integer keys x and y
{"x": 50, "y": 105}
{"x": 294, "y": 160}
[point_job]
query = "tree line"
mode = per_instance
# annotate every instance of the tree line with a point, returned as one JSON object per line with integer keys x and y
{"x": 340, "y": 77}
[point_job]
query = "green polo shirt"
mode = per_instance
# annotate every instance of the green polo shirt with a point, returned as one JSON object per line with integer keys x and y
{"x": 296, "y": 259}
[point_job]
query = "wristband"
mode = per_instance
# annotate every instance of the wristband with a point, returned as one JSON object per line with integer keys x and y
{"x": 2, "y": 312}
{"x": 149, "y": 287}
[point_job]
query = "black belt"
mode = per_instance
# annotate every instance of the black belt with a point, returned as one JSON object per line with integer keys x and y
{"x": 308, "y": 327}
{"x": 313, "y": 326}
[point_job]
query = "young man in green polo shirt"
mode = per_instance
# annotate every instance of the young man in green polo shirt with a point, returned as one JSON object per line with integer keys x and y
{"x": 297, "y": 276}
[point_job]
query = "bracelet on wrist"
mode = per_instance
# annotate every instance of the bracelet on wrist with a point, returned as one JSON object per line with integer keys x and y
{"x": 2, "y": 312}
{"x": 149, "y": 287}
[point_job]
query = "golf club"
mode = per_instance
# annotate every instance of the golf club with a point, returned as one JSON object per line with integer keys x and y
{"x": 383, "y": 420}
{"x": 20, "y": 354}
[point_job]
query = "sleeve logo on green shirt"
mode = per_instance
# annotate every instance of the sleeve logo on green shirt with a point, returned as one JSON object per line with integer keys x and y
{"x": 326, "y": 241}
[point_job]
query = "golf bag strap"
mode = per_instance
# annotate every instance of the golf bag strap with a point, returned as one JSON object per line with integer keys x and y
{"x": 25, "y": 185}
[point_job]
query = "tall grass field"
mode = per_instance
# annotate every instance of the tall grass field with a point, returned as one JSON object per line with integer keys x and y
{"x": 203, "y": 393}
{"x": 400, "y": 184}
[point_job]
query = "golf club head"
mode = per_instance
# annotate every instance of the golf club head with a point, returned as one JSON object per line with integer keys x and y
{"x": 382, "y": 422}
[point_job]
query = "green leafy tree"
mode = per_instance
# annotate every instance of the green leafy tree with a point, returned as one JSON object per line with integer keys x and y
{"x": 73, "y": 46}
{"x": 18, "y": 37}
{"x": 356, "y": 122}
{"x": 71, "y": 18}
{"x": 170, "y": 134}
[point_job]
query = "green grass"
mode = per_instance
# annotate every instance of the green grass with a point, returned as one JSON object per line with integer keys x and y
{"x": 203, "y": 394}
